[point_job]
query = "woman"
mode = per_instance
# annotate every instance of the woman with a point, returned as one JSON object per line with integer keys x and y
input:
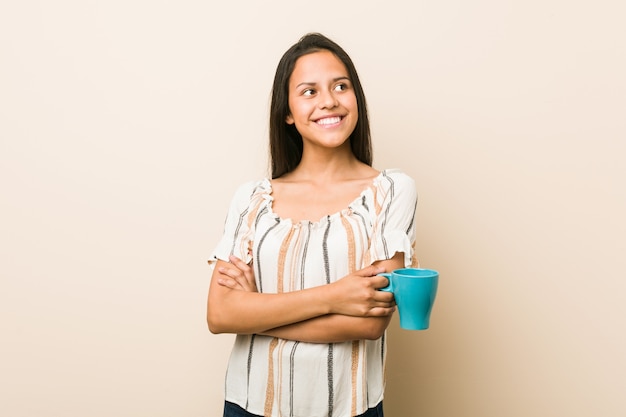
{"x": 296, "y": 272}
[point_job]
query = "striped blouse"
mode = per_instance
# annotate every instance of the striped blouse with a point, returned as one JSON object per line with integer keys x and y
{"x": 274, "y": 377}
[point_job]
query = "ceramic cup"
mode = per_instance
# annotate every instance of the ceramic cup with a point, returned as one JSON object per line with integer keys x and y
{"x": 414, "y": 290}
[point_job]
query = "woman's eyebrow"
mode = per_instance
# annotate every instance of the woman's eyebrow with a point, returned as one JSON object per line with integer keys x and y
{"x": 343, "y": 77}
{"x": 304, "y": 83}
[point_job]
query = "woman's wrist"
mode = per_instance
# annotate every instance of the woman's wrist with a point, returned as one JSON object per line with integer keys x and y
{"x": 328, "y": 299}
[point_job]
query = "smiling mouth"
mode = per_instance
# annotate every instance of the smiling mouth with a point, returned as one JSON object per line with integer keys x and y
{"x": 327, "y": 121}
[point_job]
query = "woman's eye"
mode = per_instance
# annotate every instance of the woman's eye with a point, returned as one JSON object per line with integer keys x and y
{"x": 341, "y": 87}
{"x": 308, "y": 92}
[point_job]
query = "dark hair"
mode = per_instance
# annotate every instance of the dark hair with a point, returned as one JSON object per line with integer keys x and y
{"x": 285, "y": 140}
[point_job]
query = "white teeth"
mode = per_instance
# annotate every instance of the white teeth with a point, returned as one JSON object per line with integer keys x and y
{"x": 329, "y": 120}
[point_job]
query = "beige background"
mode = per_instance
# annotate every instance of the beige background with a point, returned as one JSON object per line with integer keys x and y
{"x": 126, "y": 125}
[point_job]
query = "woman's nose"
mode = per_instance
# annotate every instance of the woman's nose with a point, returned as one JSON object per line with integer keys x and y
{"x": 327, "y": 100}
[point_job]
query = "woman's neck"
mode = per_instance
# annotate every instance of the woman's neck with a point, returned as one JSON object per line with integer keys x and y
{"x": 328, "y": 168}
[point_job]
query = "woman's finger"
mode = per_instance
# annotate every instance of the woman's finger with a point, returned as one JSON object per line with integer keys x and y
{"x": 244, "y": 280}
{"x": 370, "y": 271}
{"x": 382, "y": 311}
{"x": 384, "y": 297}
{"x": 246, "y": 270}
{"x": 233, "y": 273}
{"x": 379, "y": 281}
{"x": 229, "y": 283}
{"x": 241, "y": 265}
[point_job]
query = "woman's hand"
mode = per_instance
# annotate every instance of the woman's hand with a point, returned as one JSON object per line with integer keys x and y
{"x": 357, "y": 294}
{"x": 241, "y": 276}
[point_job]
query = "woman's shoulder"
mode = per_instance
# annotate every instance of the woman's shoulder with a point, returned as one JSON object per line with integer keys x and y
{"x": 257, "y": 184}
{"x": 395, "y": 177}
{"x": 247, "y": 190}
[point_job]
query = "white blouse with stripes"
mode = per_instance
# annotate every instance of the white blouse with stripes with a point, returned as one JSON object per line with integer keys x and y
{"x": 275, "y": 377}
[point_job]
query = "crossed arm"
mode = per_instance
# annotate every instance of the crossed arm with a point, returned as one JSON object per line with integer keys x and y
{"x": 348, "y": 309}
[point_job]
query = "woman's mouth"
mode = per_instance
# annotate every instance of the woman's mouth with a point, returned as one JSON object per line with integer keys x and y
{"x": 328, "y": 121}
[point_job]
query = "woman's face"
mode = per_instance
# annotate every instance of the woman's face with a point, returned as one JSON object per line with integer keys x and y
{"x": 322, "y": 102}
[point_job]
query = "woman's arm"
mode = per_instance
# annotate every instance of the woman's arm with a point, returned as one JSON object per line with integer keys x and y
{"x": 340, "y": 328}
{"x": 232, "y": 310}
{"x": 327, "y": 328}
{"x": 333, "y": 328}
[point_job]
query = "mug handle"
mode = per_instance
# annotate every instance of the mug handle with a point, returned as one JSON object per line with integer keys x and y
{"x": 389, "y": 287}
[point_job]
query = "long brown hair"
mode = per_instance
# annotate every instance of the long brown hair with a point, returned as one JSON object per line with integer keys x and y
{"x": 285, "y": 140}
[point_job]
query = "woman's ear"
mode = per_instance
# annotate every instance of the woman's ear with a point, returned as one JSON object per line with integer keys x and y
{"x": 289, "y": 119}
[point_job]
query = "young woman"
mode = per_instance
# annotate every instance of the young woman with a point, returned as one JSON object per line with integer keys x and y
{"x": 296, "y": 272}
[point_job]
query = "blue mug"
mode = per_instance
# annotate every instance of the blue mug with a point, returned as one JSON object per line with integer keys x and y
{"x": 414, "y": 290}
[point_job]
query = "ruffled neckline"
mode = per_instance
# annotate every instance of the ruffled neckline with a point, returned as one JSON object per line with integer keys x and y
{"x": 266, "y": 192}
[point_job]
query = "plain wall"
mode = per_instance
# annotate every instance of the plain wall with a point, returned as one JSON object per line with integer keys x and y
{"x": 125, "y": 127}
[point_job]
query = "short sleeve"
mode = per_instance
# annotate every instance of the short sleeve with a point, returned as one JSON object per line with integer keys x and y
{"x": 237, "y": 237}
{"x": 394, "y": 222}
